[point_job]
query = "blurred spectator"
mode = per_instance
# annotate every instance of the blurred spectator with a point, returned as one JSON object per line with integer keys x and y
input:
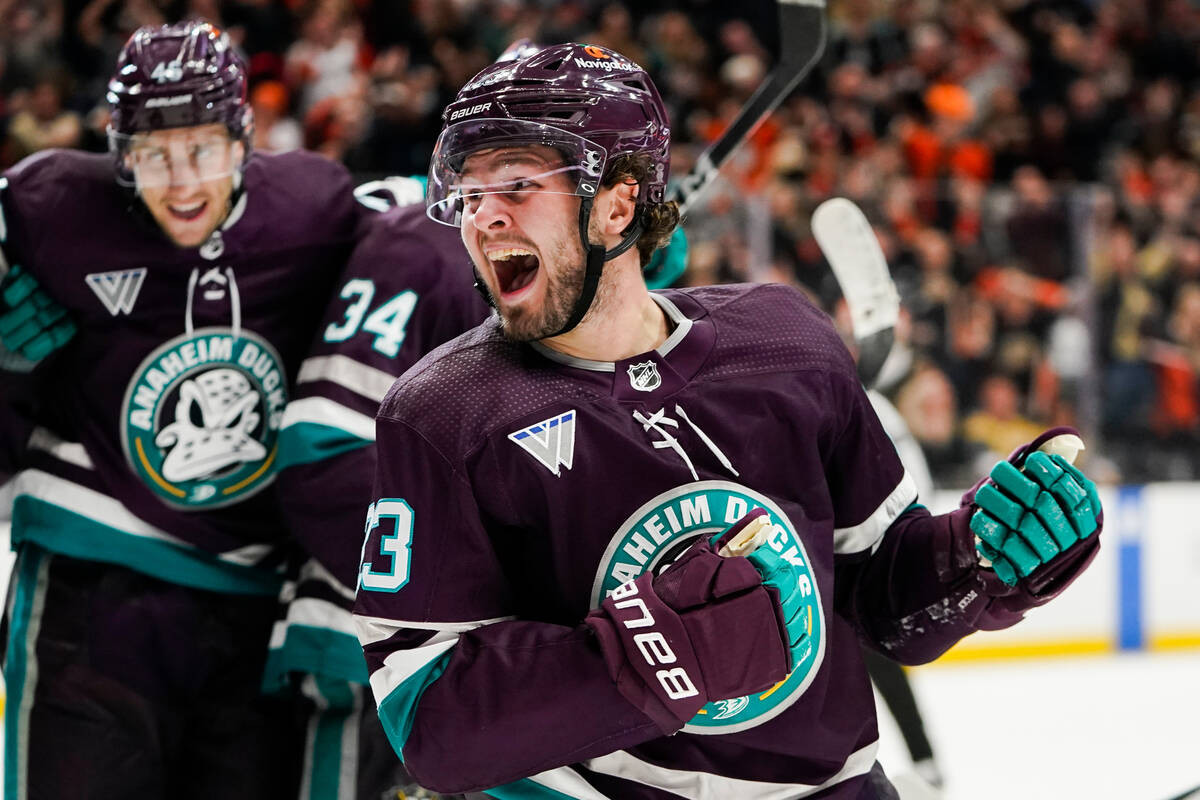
{"x": 326, "y": 62}
{"x": 43, "y": 122}
{"x": 1037, "y": 225}
{"x": 999, "y": 426}
{"x": 274, "y": 130}
{"x": 927, "y": 401}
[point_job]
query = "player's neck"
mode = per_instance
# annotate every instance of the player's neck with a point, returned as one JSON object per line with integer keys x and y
{"x": 624, "y": 321}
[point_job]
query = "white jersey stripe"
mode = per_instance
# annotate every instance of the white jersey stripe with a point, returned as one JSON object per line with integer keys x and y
{"x": 359, "y": 378}
{"x": 403, "y": 664}
{"x": 374, "y": 629}
{"x": 869, "y": 533}
{"x": 320, "y": 614}
{"x": 71, "y": 452}
{"x": 87, "y": 503}
{"x": 323, "y": 411}
{"x": 109, "y": 511}
{"x": 313, "y": 570}
{"x": 568, "y": 782}
{"x": 706, "y": 786}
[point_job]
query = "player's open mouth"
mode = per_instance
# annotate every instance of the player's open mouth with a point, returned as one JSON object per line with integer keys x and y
{"x": 187, "y": 211}
{"x": 515, "y": 268}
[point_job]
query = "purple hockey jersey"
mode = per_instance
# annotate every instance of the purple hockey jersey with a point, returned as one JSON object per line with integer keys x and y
{"x": 406, "y": 289}
{"x": 516, "y": 487}
{"x": 159, "y": 422}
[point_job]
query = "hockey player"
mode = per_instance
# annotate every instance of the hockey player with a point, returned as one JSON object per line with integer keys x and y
{"x": 148, "y": 551}
{"x": 541, "y": 599}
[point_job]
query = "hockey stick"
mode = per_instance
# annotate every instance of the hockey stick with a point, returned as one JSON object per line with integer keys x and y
{"x": 852, "y": 250}
{"x": 801, "y": 42}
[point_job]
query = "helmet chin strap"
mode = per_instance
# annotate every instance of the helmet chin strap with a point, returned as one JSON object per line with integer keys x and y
{"x": 596, "y": 256}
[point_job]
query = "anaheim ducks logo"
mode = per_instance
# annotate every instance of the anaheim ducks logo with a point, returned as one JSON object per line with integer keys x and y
{"x": 201, "y": 417}
{"x": 658, "y": 533}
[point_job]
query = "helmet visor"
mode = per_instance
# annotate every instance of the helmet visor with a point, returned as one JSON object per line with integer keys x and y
{"x": 174, "y": 157}
{"x": 507, "y": 157}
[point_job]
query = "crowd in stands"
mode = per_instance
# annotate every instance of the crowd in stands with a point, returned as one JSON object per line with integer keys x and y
{"x": 1032, "y": 168}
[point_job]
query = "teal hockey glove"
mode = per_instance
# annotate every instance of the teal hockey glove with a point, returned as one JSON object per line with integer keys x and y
{"x": 667, "y": 263}
{"x": 779, "y": 576}
{"x": 32, "y": 324}
{"x": 1032, "y": 511}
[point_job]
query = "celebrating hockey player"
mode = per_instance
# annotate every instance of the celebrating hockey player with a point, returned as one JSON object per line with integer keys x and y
{"x": 541, "y": 596}
{"x": 148, "y": 551}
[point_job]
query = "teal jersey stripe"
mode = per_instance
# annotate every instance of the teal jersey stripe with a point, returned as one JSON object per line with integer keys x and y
{"x": 306, "y": 442}
{"x": 328, "y": 752}
{"x": 398, "y": 708}
{"x": 60, "y": 530}
{"x": 16, "y": 665}
{"x": 323, "y": 652}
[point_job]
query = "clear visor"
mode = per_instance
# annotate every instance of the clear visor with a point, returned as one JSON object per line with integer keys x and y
{"x": 507, "y": 157}
{"x": 175, "y": 156}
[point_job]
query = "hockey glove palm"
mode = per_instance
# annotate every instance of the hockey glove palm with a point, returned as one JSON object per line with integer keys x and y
{"x": 32, "y": 324}
{"x": 780, "y": 578}
{"x": 1028, "y": 517}
{"x": 705, "y": 629}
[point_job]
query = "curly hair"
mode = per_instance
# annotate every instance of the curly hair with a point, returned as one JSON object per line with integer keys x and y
{"x": 658, "y": 219}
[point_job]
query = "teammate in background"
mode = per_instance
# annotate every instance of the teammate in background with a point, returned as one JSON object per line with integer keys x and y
{"x": 405, "y": 290}
{"x": 538, "y": 474}
{"x": 148, "y": 547}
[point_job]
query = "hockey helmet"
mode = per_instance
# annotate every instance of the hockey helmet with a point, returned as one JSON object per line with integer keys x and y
{"x": 176, "y": 76}
{"x": 589, "y": 103}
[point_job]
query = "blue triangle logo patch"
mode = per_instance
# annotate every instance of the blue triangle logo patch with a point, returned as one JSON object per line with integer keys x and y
{"x": 551, "y": 441}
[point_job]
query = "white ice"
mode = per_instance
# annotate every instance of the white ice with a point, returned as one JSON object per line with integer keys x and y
{"x": 1108, "y": 727}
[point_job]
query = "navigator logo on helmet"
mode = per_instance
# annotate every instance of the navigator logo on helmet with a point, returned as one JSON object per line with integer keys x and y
{"x": 587, "y": 102}
{"x": 176, "y": 76}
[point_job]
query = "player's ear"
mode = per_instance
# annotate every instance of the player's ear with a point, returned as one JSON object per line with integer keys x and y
{"x": 621, "y": 206}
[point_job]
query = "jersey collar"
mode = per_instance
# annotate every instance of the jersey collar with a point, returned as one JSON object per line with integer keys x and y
{"x": 664, "y": 370}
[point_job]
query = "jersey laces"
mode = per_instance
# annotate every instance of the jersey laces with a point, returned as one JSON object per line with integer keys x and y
{"x": 658, "y": 422}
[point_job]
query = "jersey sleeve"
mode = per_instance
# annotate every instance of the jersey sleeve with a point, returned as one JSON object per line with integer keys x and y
{"x": 15, "y": 231}
{"x": 469, "y": 696}
{"x": 868, "y": 484}
{"x": 890, "y": 554}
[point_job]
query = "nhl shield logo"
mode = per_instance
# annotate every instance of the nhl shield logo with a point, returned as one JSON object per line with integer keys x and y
{"x": 644, "y": 376}
{"x": 201, "y": 418}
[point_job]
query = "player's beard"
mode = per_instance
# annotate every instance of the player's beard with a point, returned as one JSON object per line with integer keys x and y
{"x": 564, "y": 269}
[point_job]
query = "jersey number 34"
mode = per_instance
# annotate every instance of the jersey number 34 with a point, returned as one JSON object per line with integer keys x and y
{"x": 388, "y": 322}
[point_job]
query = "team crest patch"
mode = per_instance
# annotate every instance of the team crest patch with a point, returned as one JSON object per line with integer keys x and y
{"x": 201, "y": 417}
{"x": 551, "y": 441}
{"x": 658, "y": 533}
{"x": 644, "y": 376}
{"x": 117, "y": 290}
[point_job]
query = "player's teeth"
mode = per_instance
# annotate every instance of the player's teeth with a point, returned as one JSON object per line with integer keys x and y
{"x": 507, "y": 253}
